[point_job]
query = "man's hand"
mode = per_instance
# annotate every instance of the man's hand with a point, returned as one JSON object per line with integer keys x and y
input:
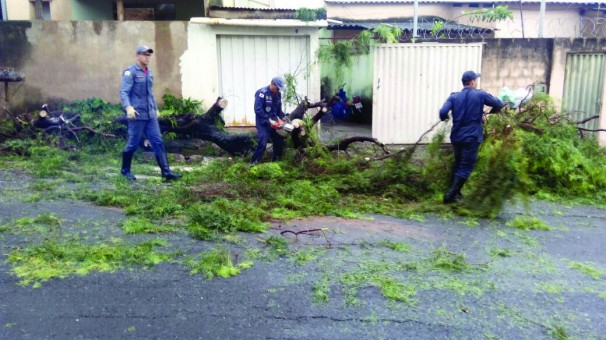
{"x": 275, "y": 124}
{"x": 495, "y": 109}
{"x": 131, "y": 114}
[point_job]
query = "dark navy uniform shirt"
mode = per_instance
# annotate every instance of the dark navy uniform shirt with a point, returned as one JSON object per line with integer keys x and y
{"x": 267, "y": 106}
{"x": 467, "y": 109}
{"x": 137, "y": 91}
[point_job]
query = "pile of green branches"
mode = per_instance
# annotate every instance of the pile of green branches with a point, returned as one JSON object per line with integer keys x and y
{"x": 530, "y": 152}
{"x": 535, "y": 151}
{"x": 92, "y": 121}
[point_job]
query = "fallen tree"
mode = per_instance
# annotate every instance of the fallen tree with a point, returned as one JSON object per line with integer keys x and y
{"x": 80, "y": 120}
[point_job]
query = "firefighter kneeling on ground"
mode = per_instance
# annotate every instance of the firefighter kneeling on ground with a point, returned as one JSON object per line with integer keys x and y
{"x": 268, "y": 119}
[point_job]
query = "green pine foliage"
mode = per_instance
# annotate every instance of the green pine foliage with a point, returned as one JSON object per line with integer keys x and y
{"x": 52, "y": 259}
{"x": 310, "y": 14}
{"x": 215, "y": 263}
{"x": 550, "y": 160}
{"x": 172, "y": 105}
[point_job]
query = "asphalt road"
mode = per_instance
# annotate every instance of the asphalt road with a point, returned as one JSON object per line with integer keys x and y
{"x": 514, "y": 284}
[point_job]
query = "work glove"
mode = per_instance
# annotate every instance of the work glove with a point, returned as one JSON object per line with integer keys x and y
{"x": 131, "y": 114}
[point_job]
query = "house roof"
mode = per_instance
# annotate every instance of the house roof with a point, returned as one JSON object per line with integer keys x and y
{"x": 257, "y": 22}
{"x": 579, "y": 2}
{"x": 223, "y": 8}
{"x": 425, "y": 23}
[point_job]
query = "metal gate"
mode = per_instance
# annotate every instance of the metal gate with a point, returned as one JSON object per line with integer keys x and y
{"x": 248, "y": 62}
{"x": 583, "y": 86}
{"x": 412, "y": 81}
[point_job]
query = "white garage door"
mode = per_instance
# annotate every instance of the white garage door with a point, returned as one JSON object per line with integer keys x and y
{"x": 248, "y": 63}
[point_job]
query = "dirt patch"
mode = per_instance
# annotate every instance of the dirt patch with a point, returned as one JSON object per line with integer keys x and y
{"x": 336, "y": 230}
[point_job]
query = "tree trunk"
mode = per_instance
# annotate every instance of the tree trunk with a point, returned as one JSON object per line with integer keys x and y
{"x": 209, "y": 127}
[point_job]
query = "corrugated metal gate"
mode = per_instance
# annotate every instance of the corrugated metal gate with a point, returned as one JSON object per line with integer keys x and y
{"x": 583, "y": 86}
{"x": 412, "y": 81}
{"x": 248, "y": 63}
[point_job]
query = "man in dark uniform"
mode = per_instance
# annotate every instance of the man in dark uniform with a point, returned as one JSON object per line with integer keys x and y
{"x": 268, "y": 117}
{"x": 137, "y": 97}
{"x": 467, "y": 109}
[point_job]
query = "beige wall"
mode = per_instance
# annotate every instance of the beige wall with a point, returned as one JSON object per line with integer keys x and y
{"x": 560, "y": 20}
{"x": 557, "y": 24}
{"x": 385, "y": 11}
{"x": 61, "y": 10}
{"x": 518, "y": 63}
{"x": 73, "y": 60}
{"x": 24, "y": 10}
{"x": 18, "y": 10}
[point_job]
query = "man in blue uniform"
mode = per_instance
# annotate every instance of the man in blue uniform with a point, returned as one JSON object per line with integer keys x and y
{"x": 137, "y": 97}
{"x": 467, "y": 109}
{"x": 268, "y": 117}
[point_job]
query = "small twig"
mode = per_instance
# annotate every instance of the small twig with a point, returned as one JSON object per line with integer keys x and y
{"x": 307, "y": 232}
{"x": 411, "y": 150}
{"x": 588, "y": 119}
{"x": 591, "y": 130}
{"x": 104, "y": 134}
{"x": 529, "y": 88}
{"x": 296, "y": 233}
{"x": 530, "y": 127}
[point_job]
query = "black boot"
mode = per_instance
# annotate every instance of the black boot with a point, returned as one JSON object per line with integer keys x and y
{"x": 127, "y": 159}
{"x": 454, "y": 193}
{"x": 163, "y": 164}
{"x": 458, "y": 196}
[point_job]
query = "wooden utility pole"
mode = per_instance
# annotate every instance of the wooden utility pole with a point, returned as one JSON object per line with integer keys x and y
{"x": 120, "y": 9}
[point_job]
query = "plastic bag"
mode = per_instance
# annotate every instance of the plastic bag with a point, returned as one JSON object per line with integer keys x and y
{"x": 514, "y": 98}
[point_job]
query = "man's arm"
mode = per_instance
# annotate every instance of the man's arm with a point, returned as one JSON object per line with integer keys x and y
{"x": 259, "y": 112}
{"x": 493, "y": 102}
{"x": 446, "y": 108}
{"x": 279, "y": 112}
{"x": 153, "y": 98}
{"x": 125, "y": 87}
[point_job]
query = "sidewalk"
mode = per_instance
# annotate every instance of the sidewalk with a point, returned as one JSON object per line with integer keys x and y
{"x": 330, "y": 132}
